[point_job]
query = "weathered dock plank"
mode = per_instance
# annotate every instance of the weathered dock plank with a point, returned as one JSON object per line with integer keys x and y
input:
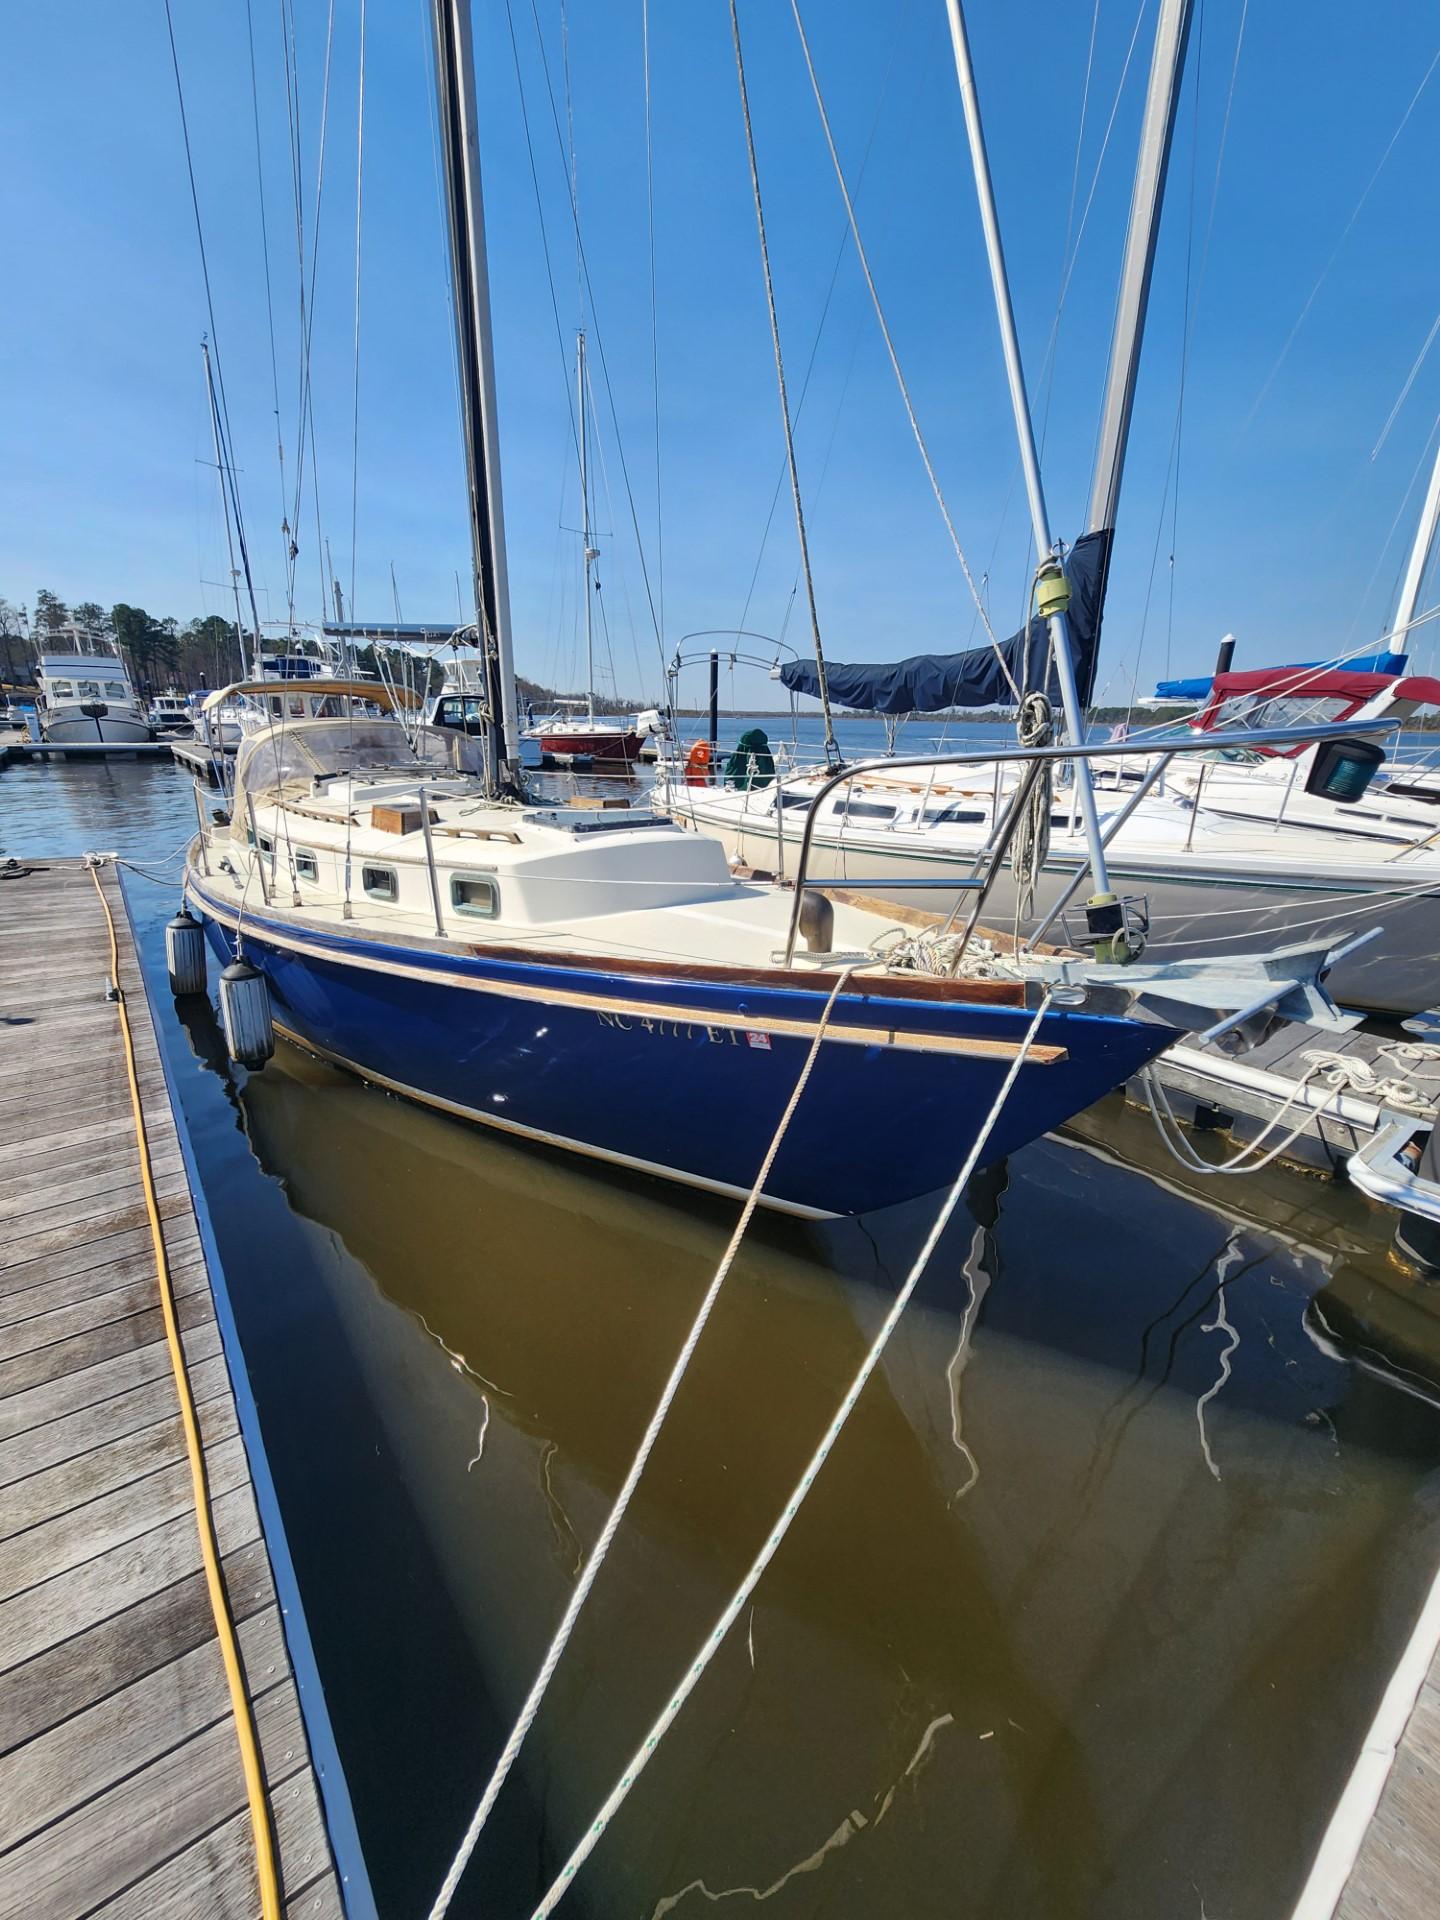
{"x": 121, "y": 1789}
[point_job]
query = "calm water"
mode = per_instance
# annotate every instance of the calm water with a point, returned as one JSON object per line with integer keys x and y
{"x": 1075, "y": 1623}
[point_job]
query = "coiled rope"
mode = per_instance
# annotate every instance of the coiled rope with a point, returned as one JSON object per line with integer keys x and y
{"x": 536, "y": 1695}
{"x": 245, "y": 1732}
{"x": 643, "y": 1754}
{"x": 1028, "y": 850}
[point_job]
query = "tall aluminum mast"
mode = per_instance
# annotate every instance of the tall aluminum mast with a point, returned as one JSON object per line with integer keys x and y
{"x": 1025, "y": 433}
{"x": 1409, "y": 601}
{"x": 460, "y": 160}
{"x": 590, "y": 552}
{"x": 1172, "y": 34}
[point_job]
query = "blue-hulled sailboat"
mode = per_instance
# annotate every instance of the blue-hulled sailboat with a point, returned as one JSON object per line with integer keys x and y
{"x": 597, "y": 978}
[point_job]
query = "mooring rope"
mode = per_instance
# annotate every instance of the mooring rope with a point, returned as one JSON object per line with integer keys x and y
{"x": 557, "y": 1646}
{"x": 645, "y": 1752}
{"x": 242, "y": 1712}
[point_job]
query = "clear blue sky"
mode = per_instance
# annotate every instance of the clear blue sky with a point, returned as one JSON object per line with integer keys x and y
{"x": 1287, "y": 529}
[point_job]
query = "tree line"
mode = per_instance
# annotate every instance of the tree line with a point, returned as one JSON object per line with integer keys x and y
{"x": 158, "y": 652}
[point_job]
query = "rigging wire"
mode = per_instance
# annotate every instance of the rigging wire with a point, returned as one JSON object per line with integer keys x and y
{"x": 544, "y": 231}
{"x": 223, "y": 410}
{"x": 1404, "y": 393}
{"x": 355, "y": 395}
{"x": 831, "y": 749}
{"x": 265, "y": 252}
{"x": 654, "y": 314}
{"x": 598, "y": 338}
{"x": 820, "y": 326}
{"x": 1345, "y": 231}
{"x": 860, "y": 254}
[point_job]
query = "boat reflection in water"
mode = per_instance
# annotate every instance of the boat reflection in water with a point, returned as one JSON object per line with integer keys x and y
{"x": 1086, "y": 1616}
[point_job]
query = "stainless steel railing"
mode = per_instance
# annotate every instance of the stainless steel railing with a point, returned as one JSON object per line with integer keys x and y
{"x": 1164, "y": 750}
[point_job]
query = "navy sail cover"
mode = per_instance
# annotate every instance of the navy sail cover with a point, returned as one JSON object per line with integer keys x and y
{"x": 935, "y": 682}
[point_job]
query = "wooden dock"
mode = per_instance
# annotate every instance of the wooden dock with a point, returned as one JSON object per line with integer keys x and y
{"x": 1380, "y": 1857}
{"x": 121, "y": 1790}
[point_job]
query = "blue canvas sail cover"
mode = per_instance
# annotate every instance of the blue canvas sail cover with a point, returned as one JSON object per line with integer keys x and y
{"x": 935, "y": 682}
{"x": 1194, "y": 691}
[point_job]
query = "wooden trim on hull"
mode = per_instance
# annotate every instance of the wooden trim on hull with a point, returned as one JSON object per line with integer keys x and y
{"x": 868, "y": 1036}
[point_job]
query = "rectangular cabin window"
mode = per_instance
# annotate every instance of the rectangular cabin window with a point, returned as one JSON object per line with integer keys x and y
{"x": 307, "y": 867}
{"x": 380, "y": 883}
{"x": 953, "y": 816}
{"x": 114, "y": 690}
{"x": 61, "y": 690}
{"x": 267, "y": 845}
{"x": 470, "y": 893}
{"x": 89, "y": 689}
{"x": 864, "y": 810}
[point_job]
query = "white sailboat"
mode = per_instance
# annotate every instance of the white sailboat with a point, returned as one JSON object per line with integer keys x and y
{"x": 1204, "y": 877}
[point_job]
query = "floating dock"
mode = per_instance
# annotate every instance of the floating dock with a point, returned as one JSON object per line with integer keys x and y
{"x": 27, "y": 749}
{"x": 195, "y": 757}
{"x": 121, "y": 1786}
{"x": 1380, "y": 1857}
{"x": 1338, "y": 1103}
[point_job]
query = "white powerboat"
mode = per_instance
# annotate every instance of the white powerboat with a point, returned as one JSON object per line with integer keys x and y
{"x": 84, "y": 697}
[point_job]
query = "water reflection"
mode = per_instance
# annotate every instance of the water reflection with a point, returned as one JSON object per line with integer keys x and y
{"x": 1067, "y": 1587}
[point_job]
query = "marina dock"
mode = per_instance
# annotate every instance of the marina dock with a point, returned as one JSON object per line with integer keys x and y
{"x": 121, "y": 1787}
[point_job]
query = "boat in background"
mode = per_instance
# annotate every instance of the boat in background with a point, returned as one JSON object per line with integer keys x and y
{"x": 171, "y": 712}
{"x": 83, "y": 696}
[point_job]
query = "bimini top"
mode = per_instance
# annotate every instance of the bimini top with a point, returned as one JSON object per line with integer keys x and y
{"x": 341, "y": 689}
{"x": 1298, "y": 696}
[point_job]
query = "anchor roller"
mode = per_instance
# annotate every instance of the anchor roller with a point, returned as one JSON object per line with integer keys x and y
{"x": 185, "y": 954}
{"x": 245, "y": 1014}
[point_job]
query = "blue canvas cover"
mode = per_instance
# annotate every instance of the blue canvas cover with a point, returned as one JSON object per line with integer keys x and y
{"x": 1199, "y": 689}
{"x": 935, "y": 682}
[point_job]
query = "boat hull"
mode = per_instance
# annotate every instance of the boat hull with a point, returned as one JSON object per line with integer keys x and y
{"x": 1196, "y": 909}
{"x": 77, "y": 731}
{"x": 682, "y": 1077}
{"x": 597, "y": 745}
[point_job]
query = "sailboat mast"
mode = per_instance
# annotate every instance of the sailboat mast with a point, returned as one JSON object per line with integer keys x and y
{"x": 1409, "y": 601}
{"x": 469, "y": 279}
{"x": 225, "y": 509}
{"x": 585, "y": 525}
{"x": 1172, "y": 34}
{"x": 1025, "y": 433}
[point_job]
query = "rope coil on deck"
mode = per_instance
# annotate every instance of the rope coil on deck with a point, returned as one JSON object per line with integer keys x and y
{"x": 245, "y": 1731}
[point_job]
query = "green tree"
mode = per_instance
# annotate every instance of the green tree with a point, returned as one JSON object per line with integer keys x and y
{"x": 16, "y": 661}
{"x": 150, "y": 644}
{"x": 211, "y": 653}
{"x": 92, "y": 620}
{"x": 52, "y": 616}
